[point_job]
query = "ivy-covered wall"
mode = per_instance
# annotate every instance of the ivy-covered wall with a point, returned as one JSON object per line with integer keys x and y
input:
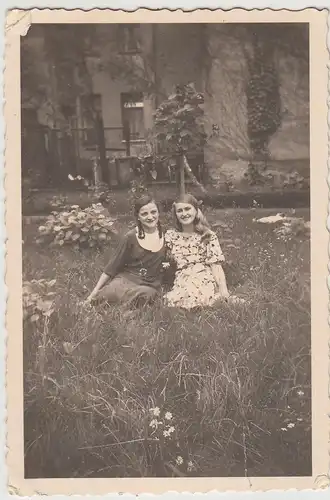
{"x": 226, "y": 106}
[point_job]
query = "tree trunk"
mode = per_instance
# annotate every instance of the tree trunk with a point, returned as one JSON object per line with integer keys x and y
{"x": 97, "y": 173}
{"x": 182, "y": 187}
{"x": 190, "y": 174}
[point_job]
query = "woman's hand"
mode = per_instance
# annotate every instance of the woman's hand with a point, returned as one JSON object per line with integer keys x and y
{"x": 100, "y": 284}
{"x": 221, "y": 296}
{"x": 220, "y": 280}
{"x": 230, "y": 299}
{"x": 236, "y": 300}
{"x": 90, "y": 299}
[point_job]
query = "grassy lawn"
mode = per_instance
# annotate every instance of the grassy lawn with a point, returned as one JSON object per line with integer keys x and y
{"x": 235, "y": 379}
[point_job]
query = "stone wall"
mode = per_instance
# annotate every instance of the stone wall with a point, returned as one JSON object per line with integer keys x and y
{"x": 225, "y": 106}
{"x": 292, "y": 139}
{"x": 179, "y": 55}
{"x": 225, "y": 102}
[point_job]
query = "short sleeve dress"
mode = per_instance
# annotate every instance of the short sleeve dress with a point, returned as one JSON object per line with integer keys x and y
{"x": 134, "y": 272}
{"x": 194, "y": 283}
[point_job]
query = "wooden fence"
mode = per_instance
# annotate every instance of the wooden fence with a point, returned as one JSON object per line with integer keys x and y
{"x": 50, "y": 155}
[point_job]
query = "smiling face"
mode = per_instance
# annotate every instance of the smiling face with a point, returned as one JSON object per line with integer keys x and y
{"x": 148, "y": 216}
{"x": 185, "y": 213}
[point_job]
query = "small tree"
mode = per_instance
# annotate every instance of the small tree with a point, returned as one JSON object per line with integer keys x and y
{"x": 179, "y": 128}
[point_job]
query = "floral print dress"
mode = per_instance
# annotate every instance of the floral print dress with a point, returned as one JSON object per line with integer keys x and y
{"x": 194, "y": 283}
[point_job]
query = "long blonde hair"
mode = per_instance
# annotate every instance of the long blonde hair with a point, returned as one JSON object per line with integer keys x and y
{"x": 201, "y": 225}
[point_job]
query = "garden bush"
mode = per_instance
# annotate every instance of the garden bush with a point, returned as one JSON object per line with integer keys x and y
{"x": 296, "y": 181}
{"x": 38, "y": 299}
{"x": 79, "y": 228}
{"x": 294, "y": 227}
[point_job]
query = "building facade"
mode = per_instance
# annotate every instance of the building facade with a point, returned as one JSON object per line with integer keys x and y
{"x": 133, "y": 67}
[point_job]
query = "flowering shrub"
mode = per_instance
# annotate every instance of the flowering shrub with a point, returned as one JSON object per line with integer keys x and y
{"x": 256, "y": 174}
{"x": 294, "y": 180}
{"x": 293, "y": 227}
{"x": 77, "y": 227}
{"x": 38, "y": 299}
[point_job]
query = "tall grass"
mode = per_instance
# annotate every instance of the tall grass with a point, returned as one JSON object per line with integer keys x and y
{"x": 236, "y": 379}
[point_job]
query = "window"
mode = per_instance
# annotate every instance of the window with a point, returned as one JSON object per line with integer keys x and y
{"x": 128, "y": 38}
{"x": 132, "y": 114}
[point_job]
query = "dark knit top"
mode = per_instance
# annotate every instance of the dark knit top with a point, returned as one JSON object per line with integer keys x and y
{"x": 141, "y": 266}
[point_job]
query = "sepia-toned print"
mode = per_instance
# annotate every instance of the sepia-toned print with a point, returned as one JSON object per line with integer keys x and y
{"x": 167, "y": 308}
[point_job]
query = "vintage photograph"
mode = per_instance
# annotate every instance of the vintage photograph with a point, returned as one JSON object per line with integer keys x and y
{"x": 163, "y": 336}
{"x": 166, "y": 249}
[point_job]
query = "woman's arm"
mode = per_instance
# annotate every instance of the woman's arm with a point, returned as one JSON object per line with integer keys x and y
{"x": 113, "y": 267}
{"x": 214, "y": 257}
{"x": 104, "y": 278}
{"x": 120, "y": 256}
{"x": 220, "y": 279}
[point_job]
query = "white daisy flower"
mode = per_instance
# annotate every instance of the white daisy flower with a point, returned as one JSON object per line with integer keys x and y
{"x": 168, "y": 415}
{"x": 179, "y": 460}
{"x": 155, "y": 411}
{"x": 154, "y": 423}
